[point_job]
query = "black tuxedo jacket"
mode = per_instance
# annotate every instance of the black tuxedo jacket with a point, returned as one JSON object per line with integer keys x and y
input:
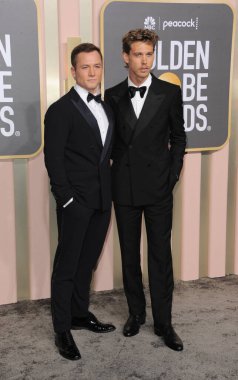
{"x": 148, "y": 152}
{"x": 77, "y": 163}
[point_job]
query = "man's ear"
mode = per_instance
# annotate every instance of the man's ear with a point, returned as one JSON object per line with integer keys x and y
{"x": 73, "y": 72}
{"x": 125, "y": 57}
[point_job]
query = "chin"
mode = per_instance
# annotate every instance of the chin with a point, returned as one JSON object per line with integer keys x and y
{"x": 91, "y": 89}
{"x": 144, "y": 75}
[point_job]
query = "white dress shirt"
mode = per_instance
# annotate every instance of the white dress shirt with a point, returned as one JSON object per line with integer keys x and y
{"x": 97, "y": 110}
{"x": 137, "y": 101}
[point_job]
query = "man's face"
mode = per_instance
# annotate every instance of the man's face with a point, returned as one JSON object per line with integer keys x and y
{"x": 88, "y": 71}
{"x": 139, "y": 60}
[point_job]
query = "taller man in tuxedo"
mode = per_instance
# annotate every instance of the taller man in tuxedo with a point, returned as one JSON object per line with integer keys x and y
{"x": 78, "y": 142}
{"x": 147, "y": 160}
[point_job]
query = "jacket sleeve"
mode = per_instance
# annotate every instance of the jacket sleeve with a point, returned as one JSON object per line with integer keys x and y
{"x": 57, "y": 128}
{"x": 107, "y": 98}
{"x": 177, "y": 134}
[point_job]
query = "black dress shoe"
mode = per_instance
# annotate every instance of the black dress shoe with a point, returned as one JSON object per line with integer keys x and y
{"x": 66, "y": 345}
{"x": 132, "y": 325}
{"x": 91, "y": 323}
{"x": 171, "y": 339}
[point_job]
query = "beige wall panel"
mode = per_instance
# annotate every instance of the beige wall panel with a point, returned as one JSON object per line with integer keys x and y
{"x": 68, "y": 18}
{"x": 38, "y": 224}
{"x": 86, "y": 23}
{"x": 236, "y": 229}
{"x": 177, "y": 227}
{"x": 52, "y": 92}
{"x": 144, "y": 255}
{"x": 38, "y": 200}
{"x": 218, "y": 212}
{"x": 117, "y": 266}
{"x": 52, "y": 51}
{"x": 8, "y": 282}
{"x": 204, "y": 215}
{"x": 97, "y": 5}
{"x": 190, "y": 228}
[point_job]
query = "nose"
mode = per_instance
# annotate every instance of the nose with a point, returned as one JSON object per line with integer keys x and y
{"x": 91, "y": 71}
{"x": 144, "y": 59}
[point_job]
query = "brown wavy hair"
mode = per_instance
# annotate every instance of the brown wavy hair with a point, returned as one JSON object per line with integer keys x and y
{"x": 138, "y": 35}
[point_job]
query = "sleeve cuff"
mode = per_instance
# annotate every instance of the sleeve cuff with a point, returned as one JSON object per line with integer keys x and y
{"x": 67, "y": 203}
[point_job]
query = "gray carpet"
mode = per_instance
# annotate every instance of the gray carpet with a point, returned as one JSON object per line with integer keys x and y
{"x": 205, "y": 315}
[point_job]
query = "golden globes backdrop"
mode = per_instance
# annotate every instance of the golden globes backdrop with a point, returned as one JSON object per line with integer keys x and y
{"x": 20, "y": 110}
{"x": 194, "y": 51}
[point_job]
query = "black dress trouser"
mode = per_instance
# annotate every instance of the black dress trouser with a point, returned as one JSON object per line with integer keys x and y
{"x": 158, "y": 221}
{"x": 82, "y": 232}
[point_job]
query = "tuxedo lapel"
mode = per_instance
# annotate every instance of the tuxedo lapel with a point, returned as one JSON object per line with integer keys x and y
{"x": 126, "y": 109}
{"x": 109, "y": 131}
{"x": 151, "y": 106}
{"x": 86, "y": 113}
{"x": 127, "y": 116}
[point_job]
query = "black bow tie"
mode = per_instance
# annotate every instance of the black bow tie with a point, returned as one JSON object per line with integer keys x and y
{"x": 132, "y": 91}
{"x": 97, "y": 98}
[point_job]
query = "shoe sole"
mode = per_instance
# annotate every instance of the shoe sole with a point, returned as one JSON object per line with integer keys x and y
{"x": 85, "y": 328}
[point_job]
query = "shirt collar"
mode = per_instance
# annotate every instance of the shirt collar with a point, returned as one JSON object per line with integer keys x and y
{"x": 83, "y": 93}
{"x": 146, "y": 83}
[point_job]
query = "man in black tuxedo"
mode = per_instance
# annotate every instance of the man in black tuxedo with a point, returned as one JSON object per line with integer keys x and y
{"x": 147, "y": 160}
{"x": 78, "y": 143}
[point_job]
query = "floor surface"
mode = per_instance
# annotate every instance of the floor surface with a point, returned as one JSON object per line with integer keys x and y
{"x": 205, "y": 315}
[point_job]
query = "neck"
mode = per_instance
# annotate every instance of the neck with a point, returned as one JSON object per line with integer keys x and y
{"x": 136, "y": 80}
{"x": 95, "y": 91}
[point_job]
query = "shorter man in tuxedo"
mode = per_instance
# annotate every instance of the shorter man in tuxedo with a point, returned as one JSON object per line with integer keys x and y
{"x": 147, "y": 160}
{"x": 78, "y": 142}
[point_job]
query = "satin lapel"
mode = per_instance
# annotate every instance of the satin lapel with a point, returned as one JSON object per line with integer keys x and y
{"x": 127, "y": 118}
{"x": 127, "y": 111}
{"x": 152, "y": 103}
{"x": 109, "y": 131}
{"x": 87, "y": 115}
